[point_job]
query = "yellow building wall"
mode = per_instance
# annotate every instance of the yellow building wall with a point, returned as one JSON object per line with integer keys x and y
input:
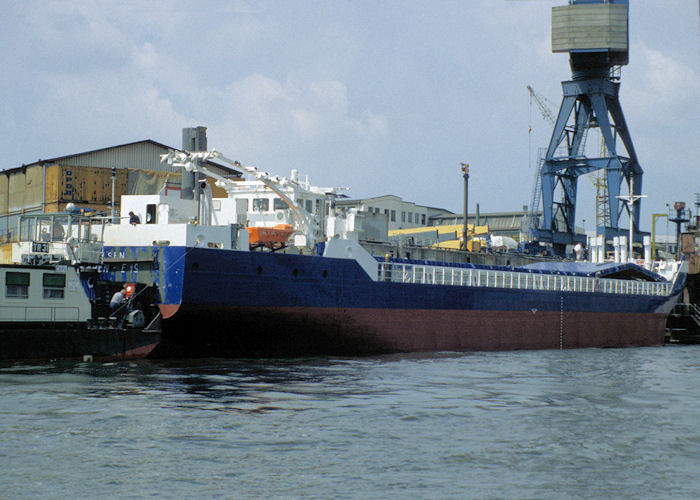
{"x": 89, "y": 185}
{"x": 4, "y": 192}
{"x": 6, "y": 253}
{"x": 17, "y": 185}
{"x": 52, "y": 183}
{"x": 34, "y": 186}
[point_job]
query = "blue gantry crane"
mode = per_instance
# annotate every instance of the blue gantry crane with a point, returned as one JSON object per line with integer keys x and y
{"x": 595, "y": 34}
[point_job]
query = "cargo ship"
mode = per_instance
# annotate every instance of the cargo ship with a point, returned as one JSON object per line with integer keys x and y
{"x": 322, "y": 292}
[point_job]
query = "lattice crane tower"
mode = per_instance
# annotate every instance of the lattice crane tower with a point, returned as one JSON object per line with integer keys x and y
{"x": 595, "y": 34}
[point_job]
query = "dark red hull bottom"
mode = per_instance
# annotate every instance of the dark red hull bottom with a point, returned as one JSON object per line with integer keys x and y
{"x": 287, "y": 332}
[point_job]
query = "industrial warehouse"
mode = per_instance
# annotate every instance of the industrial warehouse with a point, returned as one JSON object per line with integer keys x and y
{"x": 90, "y": 181}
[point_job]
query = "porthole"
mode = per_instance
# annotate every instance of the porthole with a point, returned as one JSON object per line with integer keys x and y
{"x": 258, "y": 270}
{"x": 324, "y": 274}
{"x": 195, "y": 266}
{"x": 295, "y": 273}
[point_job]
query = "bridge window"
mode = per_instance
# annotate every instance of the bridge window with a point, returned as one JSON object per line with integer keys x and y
{"x": 151, "y": 213}
{"x": 17, "y": 285}
{"x": 261, "y": 204}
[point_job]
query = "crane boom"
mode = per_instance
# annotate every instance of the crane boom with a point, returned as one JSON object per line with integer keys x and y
{"x": 194, "y": 162}
{"x": 544, "y": 109}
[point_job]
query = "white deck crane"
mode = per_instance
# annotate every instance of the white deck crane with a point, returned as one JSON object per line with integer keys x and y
{"x": 307, "y": 227}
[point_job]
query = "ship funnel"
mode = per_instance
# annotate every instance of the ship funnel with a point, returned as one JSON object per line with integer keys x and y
{"x": 193, "y": 139}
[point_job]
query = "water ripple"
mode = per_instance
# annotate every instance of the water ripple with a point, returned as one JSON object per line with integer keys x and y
{"x": 546, "y": 424}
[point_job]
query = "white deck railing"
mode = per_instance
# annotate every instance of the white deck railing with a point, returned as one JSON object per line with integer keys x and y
{"x": 438, "y": 275}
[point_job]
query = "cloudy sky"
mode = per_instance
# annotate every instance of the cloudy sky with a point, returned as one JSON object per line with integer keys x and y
{"x": 384, "y": 97}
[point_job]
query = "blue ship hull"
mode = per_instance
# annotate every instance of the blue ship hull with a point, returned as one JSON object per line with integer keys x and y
{"x": 236, "y": 303}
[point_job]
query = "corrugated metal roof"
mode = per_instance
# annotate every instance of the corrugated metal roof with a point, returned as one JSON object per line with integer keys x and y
{"x": 142, "y": 155}
{"x": 376, "y": 199}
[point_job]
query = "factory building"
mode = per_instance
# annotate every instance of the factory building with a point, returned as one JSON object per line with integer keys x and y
{"x": 510, "y": 224}
{"x": 400, "y": 214}
{"x": 86, "y": 180}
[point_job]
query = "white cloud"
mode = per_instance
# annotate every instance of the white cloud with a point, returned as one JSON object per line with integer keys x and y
{"x": 356, "y": 94}
{"x": 668, "y": 77}
{"x": 296, "y": 111}
{"x": 660, "y": 84}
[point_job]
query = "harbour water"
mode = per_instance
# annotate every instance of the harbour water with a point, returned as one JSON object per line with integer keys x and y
{"x": 590, "y": 423}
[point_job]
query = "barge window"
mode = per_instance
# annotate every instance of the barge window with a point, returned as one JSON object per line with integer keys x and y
{"x": 54, "y": 286}
{"x": 17, "y": 285}
{"x": 261, "y": 204}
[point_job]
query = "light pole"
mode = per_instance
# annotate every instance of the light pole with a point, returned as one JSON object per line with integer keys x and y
{"x": 465, "y": 172}
{"x": 630, "y": 199}
{"x": 114, "y": 179}
{"x": 653, "y": 233}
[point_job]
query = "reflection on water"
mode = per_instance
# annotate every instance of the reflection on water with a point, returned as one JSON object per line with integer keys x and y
{"x": 580, "y": 423}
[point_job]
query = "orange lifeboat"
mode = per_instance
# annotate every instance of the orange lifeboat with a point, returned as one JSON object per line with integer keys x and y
{"x": 273, "y": 238}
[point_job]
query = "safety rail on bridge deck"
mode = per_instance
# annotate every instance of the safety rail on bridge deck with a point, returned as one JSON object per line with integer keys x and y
{"x": 438, "y": 275}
